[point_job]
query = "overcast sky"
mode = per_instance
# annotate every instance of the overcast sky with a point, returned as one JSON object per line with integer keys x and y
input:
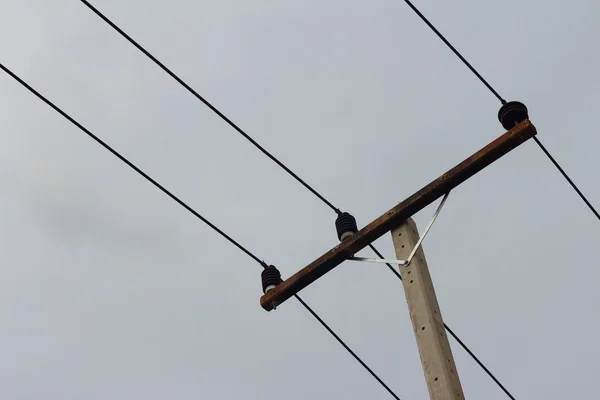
{"x": 110, "y": 290}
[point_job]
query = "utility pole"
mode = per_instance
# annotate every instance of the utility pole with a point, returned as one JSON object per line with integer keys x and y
{"x": 440, "y": 371}
{"x": 436, "y": 357}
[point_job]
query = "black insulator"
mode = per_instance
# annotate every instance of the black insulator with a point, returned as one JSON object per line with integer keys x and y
{"x": 270, "y": 277}
{"x": 345, "y": 224}
{"x": 512, "y": 113}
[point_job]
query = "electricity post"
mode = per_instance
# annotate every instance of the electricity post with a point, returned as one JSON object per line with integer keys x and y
{"x": 436, "y": 356}
{"x": 440, "y": 372}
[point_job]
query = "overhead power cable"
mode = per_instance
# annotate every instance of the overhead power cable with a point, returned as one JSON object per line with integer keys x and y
{"x": 564, "y": 174}
{"x": 264, "y": 151}
{"x": 209, "y": 105}
{"x": 195, "y": 213}
{"x": 495, "y": 93}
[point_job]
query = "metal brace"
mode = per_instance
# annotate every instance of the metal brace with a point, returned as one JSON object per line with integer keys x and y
{"x": 406, "y": 263}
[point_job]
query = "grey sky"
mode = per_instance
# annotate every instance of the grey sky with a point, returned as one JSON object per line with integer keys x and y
{"x": 110, "y": 290}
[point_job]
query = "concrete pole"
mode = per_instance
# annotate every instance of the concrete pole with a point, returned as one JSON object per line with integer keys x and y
{"x": 441, "y": 376}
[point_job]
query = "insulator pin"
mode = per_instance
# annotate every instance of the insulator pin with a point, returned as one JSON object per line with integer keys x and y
{"x": 271, "y": 277}
{"x": 345, "y": 224}
{"x": 512, "y": 113}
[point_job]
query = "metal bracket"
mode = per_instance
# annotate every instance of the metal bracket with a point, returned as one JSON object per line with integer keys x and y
{"x": 406, "y": 263}
{"x": 379, "y": 260}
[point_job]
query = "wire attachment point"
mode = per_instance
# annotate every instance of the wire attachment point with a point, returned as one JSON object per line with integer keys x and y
{"x": 270, "y": 277}
{"x": 512, "y": 113}
{"x": 345, "y": 225}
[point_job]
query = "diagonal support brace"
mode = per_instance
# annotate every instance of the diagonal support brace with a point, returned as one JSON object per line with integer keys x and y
{"x": 402, "y": 263}
{"x": 406, "y": 263}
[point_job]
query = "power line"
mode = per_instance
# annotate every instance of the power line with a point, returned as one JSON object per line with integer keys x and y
{"x": 443, "y": 39}
{"x": 195, "y": 213}
{"x": 279, "y": 163}
{"x": 562, "y": 171}
{"x": 495, "y": 93}
{"x": 209, "y": 105}
{"x": 487, "y": 371}
{"x": 345, "y": 346}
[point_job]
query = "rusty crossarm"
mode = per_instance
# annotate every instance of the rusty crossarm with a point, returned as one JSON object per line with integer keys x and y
{"x": 397, "y": 215}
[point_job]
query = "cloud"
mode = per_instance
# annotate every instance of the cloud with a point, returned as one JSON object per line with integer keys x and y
{"x": 74, "y": 210}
